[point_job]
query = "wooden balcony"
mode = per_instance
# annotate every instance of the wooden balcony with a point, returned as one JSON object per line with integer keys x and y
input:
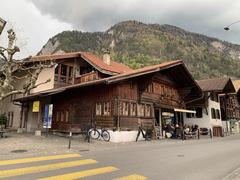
{"x": 86, "y": 77}
{"x": 62, "y": 81}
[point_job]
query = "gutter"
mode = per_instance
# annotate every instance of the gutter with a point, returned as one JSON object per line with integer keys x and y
{"x": 116, "y": 79}
{"x": 196, "y": 99}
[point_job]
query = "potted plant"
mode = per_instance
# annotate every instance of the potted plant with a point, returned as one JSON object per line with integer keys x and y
{"x": 3, "y": 121}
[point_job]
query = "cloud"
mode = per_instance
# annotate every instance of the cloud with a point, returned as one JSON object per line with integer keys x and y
{"x": 32, "y": 28}
{"x": 35, "y": 21}
{"x": 203, "y": 16}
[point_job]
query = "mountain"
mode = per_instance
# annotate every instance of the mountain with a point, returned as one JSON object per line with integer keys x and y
{"x": 137, "y": 44}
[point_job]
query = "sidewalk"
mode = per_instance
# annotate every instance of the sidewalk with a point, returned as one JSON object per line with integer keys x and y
{"x": 54, "y": 144}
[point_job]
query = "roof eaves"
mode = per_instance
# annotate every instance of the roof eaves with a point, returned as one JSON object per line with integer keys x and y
{"x": 116, "y": 79}
{"x": 135, "y": 74}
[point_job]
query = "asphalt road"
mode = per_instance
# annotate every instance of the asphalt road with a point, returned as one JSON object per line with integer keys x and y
{"x": 207, "y": 159}
{"x": 188, "y": 160}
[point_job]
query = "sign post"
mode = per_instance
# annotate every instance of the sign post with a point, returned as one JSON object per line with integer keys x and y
{"x": 36, "y": 108}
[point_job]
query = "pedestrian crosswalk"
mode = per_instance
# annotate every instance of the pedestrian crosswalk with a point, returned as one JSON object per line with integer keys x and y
{"x": 27, "y": 167}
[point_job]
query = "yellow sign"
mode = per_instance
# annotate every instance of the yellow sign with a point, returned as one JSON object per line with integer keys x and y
{"x": 36, "y": 105}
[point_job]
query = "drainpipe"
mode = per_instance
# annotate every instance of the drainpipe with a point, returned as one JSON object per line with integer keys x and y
{"x": 118, "y": 109}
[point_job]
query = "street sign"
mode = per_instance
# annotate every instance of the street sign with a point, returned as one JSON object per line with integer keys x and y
{"x": 36, "y": 105}
{"x": 47, "y": 123}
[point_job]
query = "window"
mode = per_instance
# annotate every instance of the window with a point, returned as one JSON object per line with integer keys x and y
{"x": 70, "y": 73}
{"x": 58, "y": 117}
{"x": 162, "y": 90}
{"x": 56, "y": 69}
{"x": 140, "y": 110}
{"x": 98, "y": 109}
{"x": 64, "y": 70}
{"x": 106, "y": 108}
{"x": 150, "y": 88}
{"x": 199, "y": 112}
{"x": 133, "y": 109}
{"x": 213, "y": 113}
{"x": 148, "y": 110}
{"x": 67, "y": 116}
{"x": 217, "y": 114}
{"x": 214, "y": 97}
{"x": 10, "y": 119}
{"x": 63, "y": 73}
{"x": 125, "y": 109}
{"x": 62, "y": 116}
{"x": 131, "y": 85}
{"x": 190, "y": 115}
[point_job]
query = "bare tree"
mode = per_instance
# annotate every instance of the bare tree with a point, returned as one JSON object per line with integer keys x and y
{"x": 10, "y": 66}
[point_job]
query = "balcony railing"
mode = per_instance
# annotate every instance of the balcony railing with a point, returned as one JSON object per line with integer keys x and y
{"x": 86, "y": 77}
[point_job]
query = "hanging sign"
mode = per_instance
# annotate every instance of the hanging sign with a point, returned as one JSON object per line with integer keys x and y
{"x": 36, "y": 105}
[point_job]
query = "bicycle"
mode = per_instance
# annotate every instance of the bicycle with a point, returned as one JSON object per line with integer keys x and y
{"x": 95, "y": 134}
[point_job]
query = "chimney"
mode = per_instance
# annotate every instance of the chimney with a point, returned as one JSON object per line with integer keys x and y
{"x": 107, "y": 57}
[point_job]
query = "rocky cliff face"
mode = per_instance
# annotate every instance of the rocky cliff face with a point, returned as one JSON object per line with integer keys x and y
{"x": 137, "y": 44}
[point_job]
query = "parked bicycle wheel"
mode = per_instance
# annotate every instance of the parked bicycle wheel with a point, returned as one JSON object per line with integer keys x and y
{"x": 105, "y": 135}
{"x": 94, "y": 133}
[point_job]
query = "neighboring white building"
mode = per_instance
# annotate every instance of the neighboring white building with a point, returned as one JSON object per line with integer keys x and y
{"x": 208, "y": 109}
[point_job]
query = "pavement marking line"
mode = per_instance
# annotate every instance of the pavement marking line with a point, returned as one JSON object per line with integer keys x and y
{"x": 44, "y": 168}
{"x": 37, "y": 159}
{"x": 82, "y": 174}
{"x": 132, "y": 177}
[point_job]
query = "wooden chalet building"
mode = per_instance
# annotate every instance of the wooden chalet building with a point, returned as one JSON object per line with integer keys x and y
{"x": 230, "y": 109}
{"x": 113, "y": 96}
{"x": 209, "y": 109}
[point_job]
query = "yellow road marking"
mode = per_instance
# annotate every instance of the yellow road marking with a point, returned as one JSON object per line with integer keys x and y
{"x": 82, "y": 174}
{"x": 43, "y": 168}
{"x": 132, "y": 177}
{"x": 37, "y": 159}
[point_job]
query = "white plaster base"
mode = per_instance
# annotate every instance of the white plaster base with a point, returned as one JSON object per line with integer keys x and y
{"x": 20, "y": 130}
{"x": 124, "y": 136}
{"x": 38, "y": 133}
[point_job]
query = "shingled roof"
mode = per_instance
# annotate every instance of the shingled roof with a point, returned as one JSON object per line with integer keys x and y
{"x": 95, "y": 61}
{"x": 109, "y": 80}
{"x": 144, "y": 70}
{"x": 217, "y": 84}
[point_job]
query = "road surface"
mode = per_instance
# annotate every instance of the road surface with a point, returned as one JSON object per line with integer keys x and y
{"x": 208, "y": 159}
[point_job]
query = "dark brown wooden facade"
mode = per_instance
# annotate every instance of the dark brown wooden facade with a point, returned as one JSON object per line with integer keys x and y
{"x": 230, "y": 108}
{"x": 125, "y": 104}
{"x": 87, "y": 96}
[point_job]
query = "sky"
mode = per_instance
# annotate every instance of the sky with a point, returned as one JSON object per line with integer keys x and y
{"x": 35, "y": 21}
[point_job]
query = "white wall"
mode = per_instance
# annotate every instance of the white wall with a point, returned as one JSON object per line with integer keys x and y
{"x": 201, "y": 122}
{"x": 215, "y": 105}
{"x": 124, "y": 136}
{"x": 206, "y": 120}
{"x": 46, "y": 74}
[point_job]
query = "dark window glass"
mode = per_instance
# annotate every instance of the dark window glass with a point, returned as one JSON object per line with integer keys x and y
{"x": 199, "y": 112}
{"x": 56, "y": 69}
{"x": 70, "y": 74}
{"x": 64, "y": 70}
{"x": 218, "y": 114}
{"x": 213, "y": 113}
